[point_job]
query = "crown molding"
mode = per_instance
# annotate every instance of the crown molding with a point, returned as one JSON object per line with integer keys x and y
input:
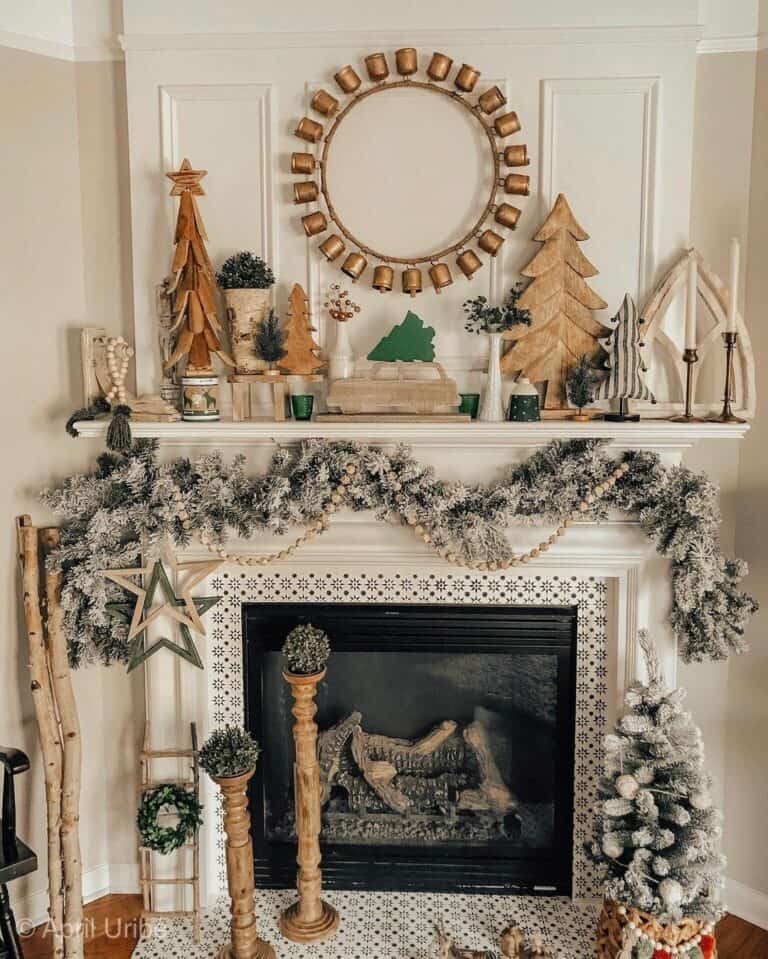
{"x": 60, "y": 51}
{"x": 685, "y": 34}
{"x": 748, "y": 44}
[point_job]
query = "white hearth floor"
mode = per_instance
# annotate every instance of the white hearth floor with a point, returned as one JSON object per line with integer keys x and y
{"x": 382, "y": 925}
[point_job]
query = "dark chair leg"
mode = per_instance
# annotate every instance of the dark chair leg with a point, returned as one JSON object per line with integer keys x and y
{"x": 9, "y": 937}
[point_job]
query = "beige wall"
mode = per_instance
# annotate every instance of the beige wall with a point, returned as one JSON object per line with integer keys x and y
{"x": 747, "y": 756}
{"x": 62, "y": 250}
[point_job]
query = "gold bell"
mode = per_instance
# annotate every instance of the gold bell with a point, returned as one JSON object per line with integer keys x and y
{"x": 332, "y": 247}
{"x": 348, "y": 79}
{"x": 305, "y": 192}
{"x": 517, "y": 183}
{"x": 407, "y": 61}
{"x": 490, "y": 242}
{"x": 412, "y": 281}
{"x": 439, "y": 67}
{"x": 323, "y": 102}
{"x": 507, "y": 124}
{"x": 383, "y": 277}
{"x": 354, "y": 266}
{"x": 468, "y": 262}
{"x": 309, "y": 130}
{"x": 314, "y": 223}
{"x": 302, "y": 163}
{"x": 377, "y": 67}
{"x": 466, "y": 78}
{"x": 516, "y": 155}
{"x": 491, "y": 100}
{"x": 440, "y": 276}
{"x": 507, "y": 215}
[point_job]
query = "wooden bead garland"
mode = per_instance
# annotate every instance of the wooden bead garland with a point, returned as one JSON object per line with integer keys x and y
{"x": 118, "y": 368}
{"x": 337, "y": 497}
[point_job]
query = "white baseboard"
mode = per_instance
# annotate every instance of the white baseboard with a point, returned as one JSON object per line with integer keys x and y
{"x": 747, "y": 903}
{"x": 103, "y": 880}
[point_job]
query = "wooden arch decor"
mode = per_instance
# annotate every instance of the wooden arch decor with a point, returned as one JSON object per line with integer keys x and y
{"x": 355, "y": 251}
{"x": 714, "y": 294}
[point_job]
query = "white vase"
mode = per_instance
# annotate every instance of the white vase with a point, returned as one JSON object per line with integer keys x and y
{"x": 492, "y": 405}
{"x": 341, "y": 362}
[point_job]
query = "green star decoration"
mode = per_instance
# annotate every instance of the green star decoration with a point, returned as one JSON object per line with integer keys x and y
{"x": 138, "y": 651}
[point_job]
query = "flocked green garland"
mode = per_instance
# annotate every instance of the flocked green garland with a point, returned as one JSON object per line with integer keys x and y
{"x": 129, "y": 500}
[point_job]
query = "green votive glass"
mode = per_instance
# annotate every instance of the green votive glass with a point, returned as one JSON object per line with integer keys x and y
{"x": 470, "y": 403}
{"x": 302, "y": 404}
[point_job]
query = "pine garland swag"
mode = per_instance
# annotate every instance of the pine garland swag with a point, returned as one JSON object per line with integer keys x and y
{"x": 167, "y": 839}
{"x": 127, "y": 500}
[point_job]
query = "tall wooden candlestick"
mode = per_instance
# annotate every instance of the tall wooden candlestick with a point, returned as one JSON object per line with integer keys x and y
{"x": 245, "y": 943}
{"x": 309, "y": 919}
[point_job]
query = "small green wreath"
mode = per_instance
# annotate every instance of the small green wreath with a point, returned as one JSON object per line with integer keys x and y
{"x": 168, "y": 798}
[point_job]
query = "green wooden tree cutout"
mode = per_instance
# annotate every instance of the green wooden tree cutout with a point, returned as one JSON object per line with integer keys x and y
{"x": 407, "y": 341}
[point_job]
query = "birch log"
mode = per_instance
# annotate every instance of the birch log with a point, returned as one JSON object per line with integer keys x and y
{"x": 47, "y": 721}
{"x": 72, "y": 756}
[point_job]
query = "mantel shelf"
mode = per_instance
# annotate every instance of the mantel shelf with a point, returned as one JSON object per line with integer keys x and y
{"x": 647, "y": 434}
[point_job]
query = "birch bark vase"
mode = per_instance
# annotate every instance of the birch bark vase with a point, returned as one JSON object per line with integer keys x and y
{"x": 492, "y": 406}
{"x": 309, "y": 919}
{"x": 245, "y": 943}
{"x": 245, "y": 310}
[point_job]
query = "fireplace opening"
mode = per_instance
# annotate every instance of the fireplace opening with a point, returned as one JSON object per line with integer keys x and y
{"x": 446, "y": 746}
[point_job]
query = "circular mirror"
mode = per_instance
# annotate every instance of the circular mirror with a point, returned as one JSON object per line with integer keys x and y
{"x": 408, "y": 170}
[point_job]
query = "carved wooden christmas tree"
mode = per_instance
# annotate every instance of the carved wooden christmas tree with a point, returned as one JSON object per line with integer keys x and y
{"x": 624, "y": 365}
{"x": 561, "y": 303}
{"x": 194, "y": 287}
{"x": 302, "y": 354}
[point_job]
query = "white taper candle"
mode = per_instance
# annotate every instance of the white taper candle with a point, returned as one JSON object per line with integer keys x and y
{"x": 733, "y": 286}
{"x": 690, "y": 303}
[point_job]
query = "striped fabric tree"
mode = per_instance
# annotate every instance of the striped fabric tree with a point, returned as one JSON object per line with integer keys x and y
{"x": 624, "y": 364}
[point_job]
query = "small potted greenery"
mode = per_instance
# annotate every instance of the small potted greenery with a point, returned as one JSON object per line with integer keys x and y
{"x": 246, "y": 281}
{"x": 269, "y": 343}
{"x": 481, "y": 317}
{"x": 580, "y": 386}
{"x": 306, "y": 651}
{"x": 229, "y": 756}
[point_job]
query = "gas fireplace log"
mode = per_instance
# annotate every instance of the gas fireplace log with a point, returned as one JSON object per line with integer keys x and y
{"x": 407, "y": 747}
{"x": 493, "y": 790}
{"x": 331, "y": 744}
{"x": 378, "y": 774}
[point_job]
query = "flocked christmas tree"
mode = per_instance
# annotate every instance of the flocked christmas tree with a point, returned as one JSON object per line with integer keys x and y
{"x": 194, "y": 285}
{"x": 624, "y": 364}
{"x": 561, "y": 304}
{"x": 656, "y": 833}
{"x": 302, "y": 353}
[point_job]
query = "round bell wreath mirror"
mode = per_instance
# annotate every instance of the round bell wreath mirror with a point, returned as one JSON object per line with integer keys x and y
{"x": 473, "y": 214}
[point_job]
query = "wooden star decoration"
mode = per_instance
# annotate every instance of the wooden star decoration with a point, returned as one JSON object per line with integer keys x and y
{"x": 193, "y": 606}
{"x": 132, "y": 613}
{"x": 185, "y": 178}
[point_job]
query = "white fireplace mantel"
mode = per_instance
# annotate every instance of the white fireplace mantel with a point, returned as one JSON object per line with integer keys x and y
{"x": 663, "y": 436}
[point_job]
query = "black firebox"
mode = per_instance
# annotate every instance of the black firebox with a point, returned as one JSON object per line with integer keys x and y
{"x": 446, "y": 746}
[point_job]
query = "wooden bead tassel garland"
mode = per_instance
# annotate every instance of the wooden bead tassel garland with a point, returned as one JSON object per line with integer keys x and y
{"x": 337, "y": 498}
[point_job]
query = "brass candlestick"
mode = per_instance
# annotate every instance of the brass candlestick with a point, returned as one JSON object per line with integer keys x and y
{"x": 727, "y": 415}
{"x": 690, "y": 356}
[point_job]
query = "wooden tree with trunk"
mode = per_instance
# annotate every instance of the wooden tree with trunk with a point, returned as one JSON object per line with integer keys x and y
{"x": 194, "y": 287}
{"x": 302, "y": 354}
{"x": 561, "y": 303}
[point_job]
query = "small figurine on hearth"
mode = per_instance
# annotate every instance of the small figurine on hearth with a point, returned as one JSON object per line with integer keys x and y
{"x": 536, "y": 948}
{"x": 446, "y": 949}
{"x": 511, "y": 942}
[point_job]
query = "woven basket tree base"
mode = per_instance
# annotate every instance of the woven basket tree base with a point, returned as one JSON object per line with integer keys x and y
{"x": 610, "y": 929}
